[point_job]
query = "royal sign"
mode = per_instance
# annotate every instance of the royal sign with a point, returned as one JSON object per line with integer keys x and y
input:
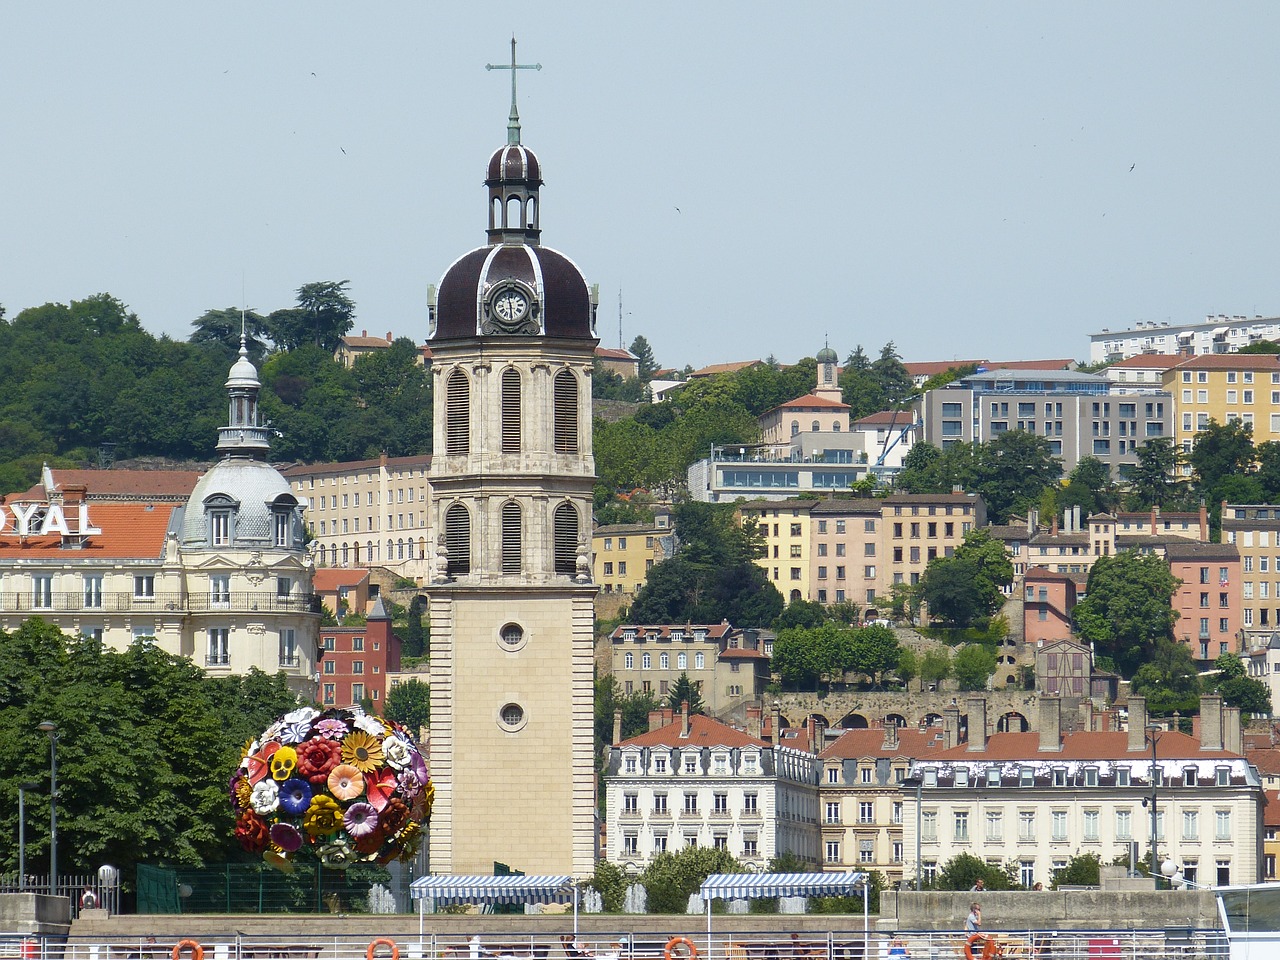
{"x": 43, "y": 519}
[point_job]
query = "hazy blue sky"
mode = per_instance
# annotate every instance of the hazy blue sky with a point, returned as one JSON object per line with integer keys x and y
{"x": 968, "y": 179}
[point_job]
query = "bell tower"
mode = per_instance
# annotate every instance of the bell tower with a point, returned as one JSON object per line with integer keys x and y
{"x": 511, "y": 595}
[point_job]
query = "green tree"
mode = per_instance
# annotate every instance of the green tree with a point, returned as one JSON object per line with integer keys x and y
{"x": 1089, "y": 487}
{"x": 1222, "y": 454}
{"x": 908, "y": 666}
{"x": 671, "y": 878}
{"x": 611, "y": 881}
{"x": 323, "y": 316}
{"x": 1082, "y": 870}
{"x": 994, "y": 569}
{"x": 1168, "y": 679}
{"x": 685, "y": 691}
{"x": 409, "y": 703}
{"x": 963, "y": 870}
{"x": 935, "y": 665}
{"x": 801, "y": 613}
{"x": 220, "y": 329}
{"x": 1153, "y": 480}
{"x": 951, "y": 590}
{"x": 974, "y": 665}
{"x": 1127, "y": 607}
{"x": 1012, "y": 470}
{"x": 1239, "y": 689}
{"x": 641, "y": 350}
{"x": 806, "y": 658}
{"x": 873, "y": 651}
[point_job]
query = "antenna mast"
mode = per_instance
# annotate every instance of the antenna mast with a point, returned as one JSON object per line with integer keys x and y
{"x": 620, "y": 346}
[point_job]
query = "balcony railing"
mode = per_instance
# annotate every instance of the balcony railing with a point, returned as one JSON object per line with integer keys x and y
{"x": 124, "y": 602}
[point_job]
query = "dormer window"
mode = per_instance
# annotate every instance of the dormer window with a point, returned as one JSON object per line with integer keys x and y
{"x": 1091, "y": 776}
{"x": 220, "y": 527}
{"x": 1222, "y": 776}
{"x": 993, "y": 777}
{"x": 1122, "y": 777}
{"x": 282, "y": 530}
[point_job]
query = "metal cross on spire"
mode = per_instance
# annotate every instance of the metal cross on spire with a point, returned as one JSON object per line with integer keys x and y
{"x": 513, "y": 122}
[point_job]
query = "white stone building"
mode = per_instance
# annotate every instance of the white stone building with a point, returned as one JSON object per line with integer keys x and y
{"x": 1220, "y": 334}
{"x": 1038, "y": 799}
{"x": 697, "y": 782}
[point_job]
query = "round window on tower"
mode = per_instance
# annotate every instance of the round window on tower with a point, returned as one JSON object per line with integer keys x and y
{"x": 511, "y": 717}
{"x": 511, "y": 637}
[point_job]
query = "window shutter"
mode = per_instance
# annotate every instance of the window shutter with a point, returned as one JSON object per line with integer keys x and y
{"x": 510, "y": 410}
{"x": 511, "y": 546}
{"x": 566, "y": 537}
{"x": 566, "y": 412}
{"x": 457, "y": 539}
{"x": 458, "y": 415}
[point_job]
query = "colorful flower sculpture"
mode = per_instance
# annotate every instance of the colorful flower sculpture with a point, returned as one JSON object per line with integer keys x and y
{"x": 340, "y": 785}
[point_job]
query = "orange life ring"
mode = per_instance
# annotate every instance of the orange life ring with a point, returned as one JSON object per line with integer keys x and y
{"x": 382, "y": 942}
{"x": 684, "y": 946}
{"x": 990, "y": 949}
{"x": 197, "y": 951}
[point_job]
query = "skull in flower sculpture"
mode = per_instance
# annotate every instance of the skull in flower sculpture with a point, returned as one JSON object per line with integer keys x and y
{"x": 341, "y": 785}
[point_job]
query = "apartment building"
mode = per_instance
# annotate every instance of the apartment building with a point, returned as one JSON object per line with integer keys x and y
{"x": 355, "y": 661}
{"x": 693, "y": 782}
{"x": 1048, "y": 599}
{"x": 846, "y": 555}
{"x": 1079, "y": 414}
{"x": 1254, "y": 530}
{"x": 624, "y": 553}
{"x": 1038, "y": 799}
{"x": 1223, "y": 388}
{"x": 368, "y": 512}
{"x": 860, "y": 797}
{"x": 1142, "y": 373}
{"x": 916, "y": 527}
{"x": 1209, "y": 598}
{"x": 728, "y": 666}
{"x": 1213, "y": 335}
{"x": 785, "y": 526}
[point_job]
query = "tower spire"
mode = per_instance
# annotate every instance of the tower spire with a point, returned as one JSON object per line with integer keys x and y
{"x": 513, "y": 120}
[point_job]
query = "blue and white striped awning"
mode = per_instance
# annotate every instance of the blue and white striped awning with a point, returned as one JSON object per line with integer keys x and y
{"x": 447, "y": 888}
{"x": 744, "y": 886}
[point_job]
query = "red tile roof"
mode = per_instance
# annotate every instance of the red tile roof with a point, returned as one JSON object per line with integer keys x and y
{"x": 130, "y": 531}
{"x": 418, "y": 461}
{"x": 1231, "y": 361}
{"x": 1083, "y": 745}
{"x": 716, "y": 368}
{"x": 663, "y": 630}
{"x": 703, "y": 732}
{"x": 1266, "y": 759}
{"x": 1271, "y": 811}
{"x": 868, "y": 742}
{"x": 329, "y": 579}
{"x": 1028, "y": 364}
{"x": 809, "y": 401}
{"x": 615, "y": 354}
{"x": 888, "y": 418}
{"x": 741, "y": 653}
{"x": 175, "y": 485}
{"x": 1148, "y": 361}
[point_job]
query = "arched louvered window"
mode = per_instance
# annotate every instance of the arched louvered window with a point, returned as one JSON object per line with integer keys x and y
{"x": 511, "y": 538}
{"x": 457, "y": 540}
{"x": 457, "y": 415}
{"x": 566, "y": 413}
{"x": 566, "y": 536}
{"x": 511, "y": 410}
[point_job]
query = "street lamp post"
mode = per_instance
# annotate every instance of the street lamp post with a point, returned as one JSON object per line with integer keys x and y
{"x": 51, "y": 729}
{"x": 22, "y": 832}
{"x": 1152, "y": 739}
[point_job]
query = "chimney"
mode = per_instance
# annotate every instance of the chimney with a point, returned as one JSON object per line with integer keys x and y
{"x": 950, "y": 726}
{"x": 388, "y": 336}
{"x": 977, "y": 725}
{"x": 753, "y": 720}
{"x": 655, "y": 719}
{"x": 776, "y": 730}
{"x": 684, "y": 719}
{"x": 1086, "y": 715}
{"x": 1137, "y": 724}
{"x": 1210, "y": 722}
{"x": 617, "y": 726}
{"x": 1076, "y": 523}
{"x": 1050, "y": 724}
{"x": 1033, "y": 521}
{"x": 364, "y": 333}
{"x": 1204, "y": 523}
{"x": 1053, "y": 531}
{"x": 890, "y": 737}
{"x": 1155, "y": 517}
{"x": 811, "y": 734}
{"x": 1232, "y": 733}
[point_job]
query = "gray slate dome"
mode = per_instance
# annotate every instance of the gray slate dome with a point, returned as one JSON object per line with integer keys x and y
{"x": 253, "y": 491}
{"x": 827, "y": 355}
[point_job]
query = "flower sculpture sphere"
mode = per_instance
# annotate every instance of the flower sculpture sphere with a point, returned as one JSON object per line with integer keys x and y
{"x": 341, "y": 786}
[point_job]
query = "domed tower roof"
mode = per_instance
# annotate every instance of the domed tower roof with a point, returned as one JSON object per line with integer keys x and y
{"x": 514, "y": 286}
{"x": 827, "y": 355}
{"x": 242, "y": 502}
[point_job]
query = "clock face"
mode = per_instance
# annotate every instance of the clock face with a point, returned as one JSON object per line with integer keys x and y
{"x": 510, "y": 306}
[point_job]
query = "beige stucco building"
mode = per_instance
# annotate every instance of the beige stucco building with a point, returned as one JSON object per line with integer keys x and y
{"x": 510, "y": 592}
{"x": 367, "y": 512}
{"x": 624, "y": 553}
{"x": 729, "y": 666}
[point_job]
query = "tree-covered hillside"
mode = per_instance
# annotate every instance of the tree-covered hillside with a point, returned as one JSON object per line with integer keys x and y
{"x": 84, "y": 375}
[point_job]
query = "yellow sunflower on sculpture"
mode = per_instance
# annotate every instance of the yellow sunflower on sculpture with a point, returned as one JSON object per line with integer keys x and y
{"x": 342, "y": 786}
